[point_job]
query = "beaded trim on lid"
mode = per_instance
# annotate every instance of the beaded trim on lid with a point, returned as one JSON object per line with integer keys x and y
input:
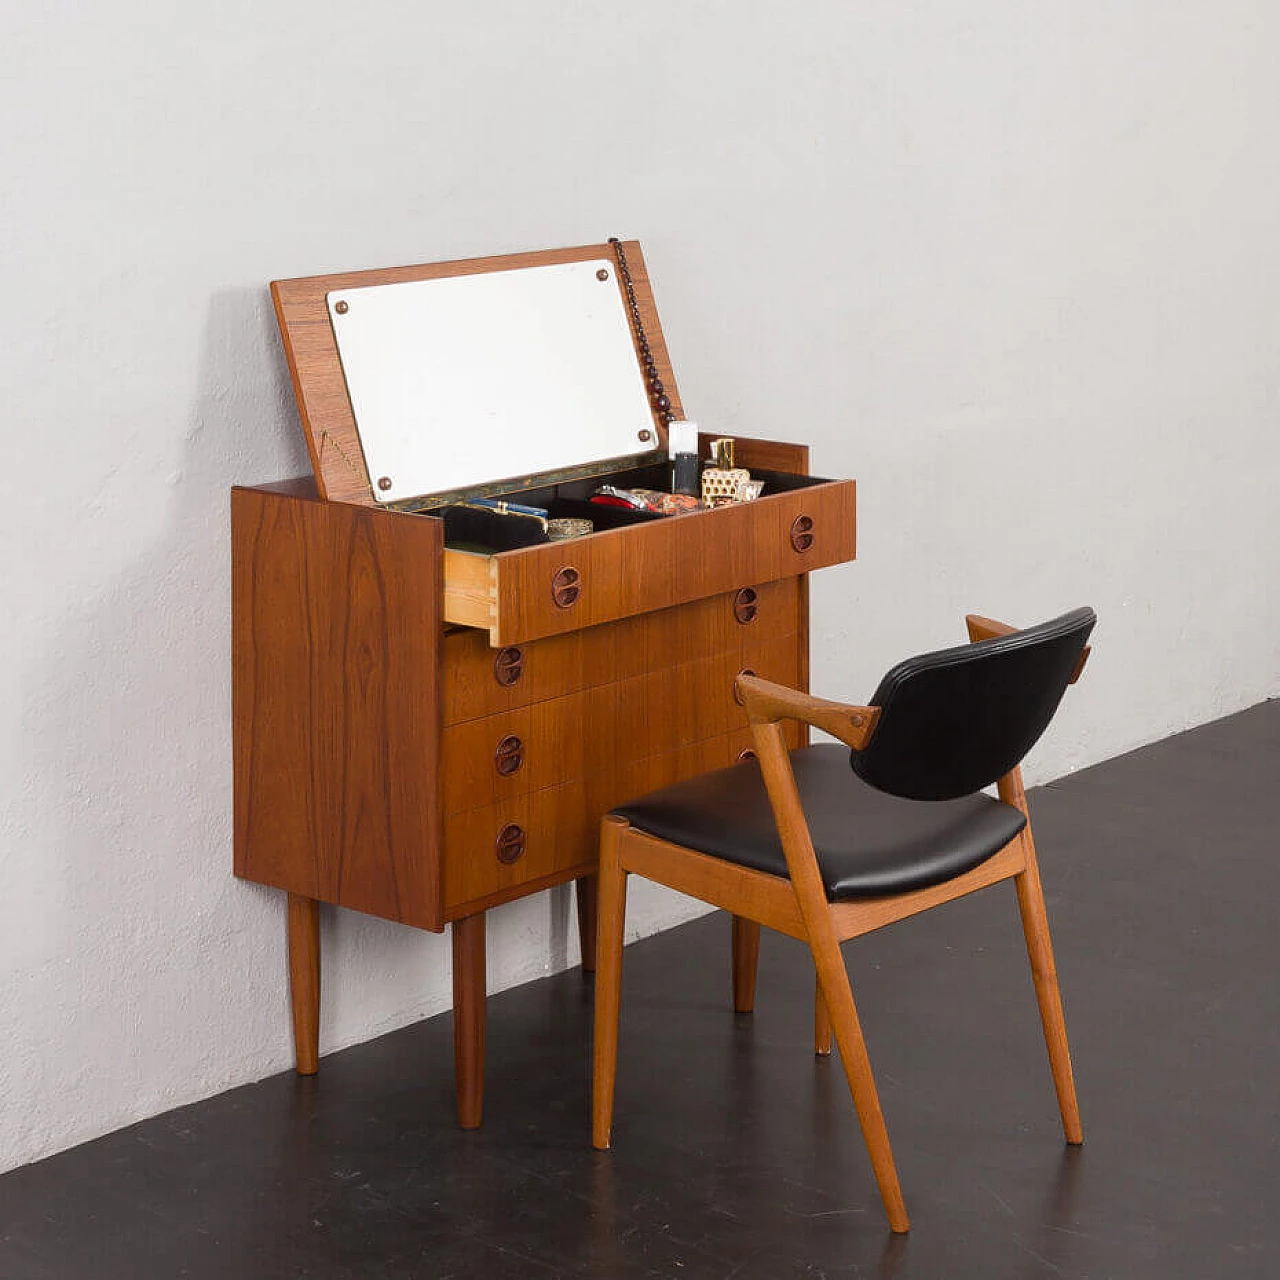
{"x": 657, "y": 392}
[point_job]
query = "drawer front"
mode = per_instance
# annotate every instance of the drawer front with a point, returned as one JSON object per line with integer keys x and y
{"x": 638, "y": 777}
{"x": 564, "y": 586}
{"x": 496, "y": 758}
{"x": 493, "y": 852}
{"x": 489, "y": 761}
{"x": 503, "y": 847}
{"x": 664, "y": 711}
{"x": 649, "y": 701}
{"x": 772, "y": 657}
{"x": 480, "y": 681}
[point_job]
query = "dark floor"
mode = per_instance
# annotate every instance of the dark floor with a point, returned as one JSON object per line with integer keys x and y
{"x": 736, "y": 1151}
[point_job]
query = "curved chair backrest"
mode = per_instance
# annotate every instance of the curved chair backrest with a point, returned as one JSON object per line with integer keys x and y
{"x": 955, "y": 721}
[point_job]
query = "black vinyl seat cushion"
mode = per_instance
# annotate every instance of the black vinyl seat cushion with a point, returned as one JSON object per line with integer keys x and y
{"x": 868, "y": 843}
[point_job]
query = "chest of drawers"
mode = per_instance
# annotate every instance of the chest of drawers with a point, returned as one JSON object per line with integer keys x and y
{"x": 423, "y": 732}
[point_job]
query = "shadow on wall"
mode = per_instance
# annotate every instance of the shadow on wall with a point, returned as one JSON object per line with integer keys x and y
{"x": 135, "y": 935}
{"x": 146, "y": 974}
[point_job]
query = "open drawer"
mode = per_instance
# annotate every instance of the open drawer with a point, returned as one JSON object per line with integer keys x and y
{"x": 801, "y": 523}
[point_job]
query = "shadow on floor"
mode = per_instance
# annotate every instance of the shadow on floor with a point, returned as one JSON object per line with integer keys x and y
{"x": 736, "y": 1153}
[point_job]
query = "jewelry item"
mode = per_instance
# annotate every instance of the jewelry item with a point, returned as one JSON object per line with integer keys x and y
{"x": 563, "y": 527}
{"x": 657, "y": 392}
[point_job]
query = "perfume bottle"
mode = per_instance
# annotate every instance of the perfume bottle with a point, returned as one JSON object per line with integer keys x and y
{"x": 721, "y": 480}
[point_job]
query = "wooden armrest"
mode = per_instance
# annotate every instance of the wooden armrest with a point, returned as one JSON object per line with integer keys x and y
{"x": 981, "y": 628}
{"x": 767, "y": 703}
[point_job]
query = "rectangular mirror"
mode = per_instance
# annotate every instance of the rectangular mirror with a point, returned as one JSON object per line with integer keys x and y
{"x": 483, "y": 381}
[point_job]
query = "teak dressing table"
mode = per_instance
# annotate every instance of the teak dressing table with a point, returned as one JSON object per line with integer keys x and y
{"x": 422, "y": 732}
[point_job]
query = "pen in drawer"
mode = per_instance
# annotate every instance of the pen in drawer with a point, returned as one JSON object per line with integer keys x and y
{"x": 507, "y": 508}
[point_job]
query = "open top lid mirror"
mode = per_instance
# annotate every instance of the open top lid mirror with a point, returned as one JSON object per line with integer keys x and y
{"x": 470, "y": 377}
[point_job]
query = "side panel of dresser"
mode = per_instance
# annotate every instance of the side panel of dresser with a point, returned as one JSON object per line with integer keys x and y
{"x": 335, "y": 702}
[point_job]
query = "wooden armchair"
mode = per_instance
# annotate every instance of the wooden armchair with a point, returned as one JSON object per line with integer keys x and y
{"x": 825, "y": 844}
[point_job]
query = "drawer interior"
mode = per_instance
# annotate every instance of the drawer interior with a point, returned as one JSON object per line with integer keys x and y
{"x": 544, "y": 589}
{"x": 469, "y": 529}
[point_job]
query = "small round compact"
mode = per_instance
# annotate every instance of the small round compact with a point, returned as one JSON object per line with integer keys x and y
{"x": 567, "y": 527}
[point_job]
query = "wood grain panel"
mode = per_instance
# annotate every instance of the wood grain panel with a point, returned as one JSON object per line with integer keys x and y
{"x": 469, "y": 599}
{"x": 671, "y": 703}
{"x": 781, "y": 659}
{"x": 558, "y": 831}
{"x": 624, "y": 739}
{"x": 762, "y": 455}
{"x": 470, "y": 690}
{"x": 469, "y": 778}
{"x": 335, "y": 669}
{"x": 557, "y": 748}
{"x": 312, "y": 352}
{"x": 780, "y": 609}
{"x": 561, "y": 824}
{"x": 629, "y": 750}
{"x": 560, "y": 665}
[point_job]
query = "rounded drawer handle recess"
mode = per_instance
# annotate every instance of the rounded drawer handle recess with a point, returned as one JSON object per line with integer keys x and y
{"x": 737, "y": 696}
{"x": 746, "y": 754}
{"x": 508, "y": 757}
{"x": 509, "y": 846}
{"x": 746, "y": 604}
{"x": 565, "y": 587}
{"x": 802, "y": 533}
{"x": 508, "y": 666}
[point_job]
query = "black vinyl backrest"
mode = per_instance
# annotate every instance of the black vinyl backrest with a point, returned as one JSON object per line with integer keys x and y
{"x": 955, "y": 721}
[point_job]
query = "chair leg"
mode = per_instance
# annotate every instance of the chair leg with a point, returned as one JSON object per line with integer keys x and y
{"x": 746, "y": 956}
{"x": 833, "y": 982}
{"x": 610, "y": 919}
{"x": 821, "y": 1023}
{"x": 1044, "y": 973}
{"x": 824, "y": 944}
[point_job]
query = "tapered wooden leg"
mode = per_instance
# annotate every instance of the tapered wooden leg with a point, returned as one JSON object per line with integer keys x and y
{"x": 746, "y": 957}
{"x": 821, "y": 1023}
{"x": 613, "y": 907}
{"x": 587, "y": 892}
{"x": 304, "y": 981}
{"x": 833, "y": 982}
{"x": 468, "y": 1018}
{"x": 1044, "y": 973}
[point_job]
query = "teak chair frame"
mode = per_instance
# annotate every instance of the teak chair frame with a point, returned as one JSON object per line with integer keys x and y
{"x": 798, "y": 906}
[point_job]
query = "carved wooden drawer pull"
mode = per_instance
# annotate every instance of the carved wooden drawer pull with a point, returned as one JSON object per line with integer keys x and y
{"x": 508, "y": 666}
{"x": 737, "y": 696}
{"x": 509, "y": 756}
{"x": 802, "y": 533}
{"x": 746, "y": 604}
{"x": 509, "y": 846}
{"x": 565, "y": 587}
{"x": 745, "y": 754}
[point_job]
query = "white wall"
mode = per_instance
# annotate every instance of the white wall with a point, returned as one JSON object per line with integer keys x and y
{"x": 1012, "y": 265}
